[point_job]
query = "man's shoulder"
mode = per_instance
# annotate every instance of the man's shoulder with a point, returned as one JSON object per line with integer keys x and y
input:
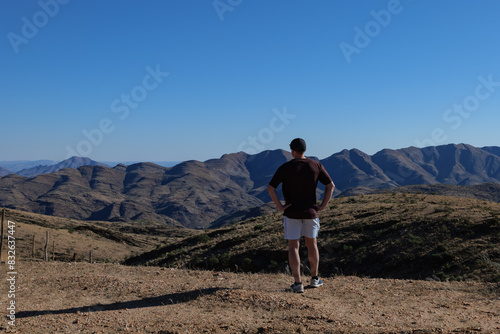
{"x": 288, "y": 163}
{"x": 313, "y": 162}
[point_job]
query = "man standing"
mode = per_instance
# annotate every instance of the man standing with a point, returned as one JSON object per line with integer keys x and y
{"x": 300, "y": 178}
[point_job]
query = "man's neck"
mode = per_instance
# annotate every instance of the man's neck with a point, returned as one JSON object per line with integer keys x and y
{"x": 298, "y": 156}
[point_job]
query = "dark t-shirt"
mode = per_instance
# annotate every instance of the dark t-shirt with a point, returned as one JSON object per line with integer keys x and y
{"x": 300, "y": 178}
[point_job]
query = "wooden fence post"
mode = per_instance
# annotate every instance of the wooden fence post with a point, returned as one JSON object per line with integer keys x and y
{"x": 53, "y": 249}
{"x": 46, "y": 249}
{"x": 90, "y": 257}
{"x": 33, "y": 248}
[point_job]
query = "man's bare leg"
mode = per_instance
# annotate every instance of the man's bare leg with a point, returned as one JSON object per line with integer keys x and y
{"x": 294, "y": 259}
{"x": 313, "y": 255}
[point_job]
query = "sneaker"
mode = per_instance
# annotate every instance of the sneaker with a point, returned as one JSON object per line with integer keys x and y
{"x": 316, "y": 283}
{"x": 298, "y": 288}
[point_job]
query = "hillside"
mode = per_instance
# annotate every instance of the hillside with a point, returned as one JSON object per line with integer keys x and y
{"x": 192, "y": 194}
{"x": 4, "y": 172}
{"x": 484, "y": 191}
{"x": 108, "y": 241}
{"x": 449, "y": 164}
{"x": 198, "y": 194}
{"x": 110, "y": 298}
{"x": 392, "y": 235}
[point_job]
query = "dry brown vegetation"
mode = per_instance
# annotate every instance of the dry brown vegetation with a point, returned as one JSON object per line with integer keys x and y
{"x": 390, "y": 235}
{"x": 108, "y": 241}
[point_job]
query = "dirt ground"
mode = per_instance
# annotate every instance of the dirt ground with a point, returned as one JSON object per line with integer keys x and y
{"x": 58, "y": 297}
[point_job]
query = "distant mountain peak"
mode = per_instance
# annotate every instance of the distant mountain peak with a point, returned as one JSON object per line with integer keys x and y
{"x": 73, "y": 162}
{"x": 120, "y": 167}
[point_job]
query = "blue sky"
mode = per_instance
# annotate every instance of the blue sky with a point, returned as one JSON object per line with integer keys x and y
{"x": 180, "y": 80}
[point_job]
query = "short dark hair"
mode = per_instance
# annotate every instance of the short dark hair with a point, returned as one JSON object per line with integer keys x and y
{"x": 298, "y": 145}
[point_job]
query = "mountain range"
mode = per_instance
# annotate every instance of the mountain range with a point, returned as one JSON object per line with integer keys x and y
{"x": 73, "y": 162}
{"x": 18, "y": 165}
{"x": 196, "y": 194}
{"x": 36, "y": 167}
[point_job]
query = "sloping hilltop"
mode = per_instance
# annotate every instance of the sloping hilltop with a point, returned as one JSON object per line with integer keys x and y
{"x": 391, "y": 235}
{"x": 108, "y": 241}
{"x": 80, "y": 297}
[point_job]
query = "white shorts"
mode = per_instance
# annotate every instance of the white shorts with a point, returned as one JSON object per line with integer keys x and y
{"x": 296, "y": 228}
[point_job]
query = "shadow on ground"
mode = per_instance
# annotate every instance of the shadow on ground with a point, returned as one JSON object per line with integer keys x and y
{"x": 174, "y": 298}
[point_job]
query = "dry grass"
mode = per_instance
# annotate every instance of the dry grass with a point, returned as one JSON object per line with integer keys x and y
{"x": 110, "y": 298}
{"x": 108, "y": 241}
{"x": 414, "y": 236}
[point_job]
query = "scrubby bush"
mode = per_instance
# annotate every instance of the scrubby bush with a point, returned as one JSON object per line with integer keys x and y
{"x": 202, "y": 237}
{"x": 214, "y": 260}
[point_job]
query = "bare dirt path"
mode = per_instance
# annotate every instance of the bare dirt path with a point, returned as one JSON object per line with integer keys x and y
{"x": 109, "y": 298}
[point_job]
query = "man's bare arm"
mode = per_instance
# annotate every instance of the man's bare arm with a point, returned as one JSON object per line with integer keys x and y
{"x": 327, "y": 196}
{"x": 274, "y": 196}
